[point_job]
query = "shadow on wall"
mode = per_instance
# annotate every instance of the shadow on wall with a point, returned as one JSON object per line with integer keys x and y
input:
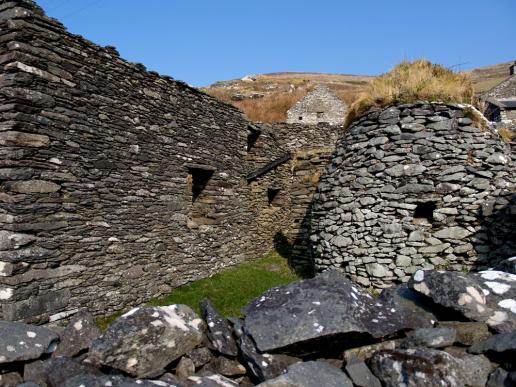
{"x": 496, "y": 239}
{"x": 302, "y": 262}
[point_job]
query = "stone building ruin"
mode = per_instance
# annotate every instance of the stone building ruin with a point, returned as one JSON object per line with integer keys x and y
{"x": 500, "y": 101}
{"x": 415, "y": 186}
{"x": 118, "y": 184}
{"x": 319, "y": 105}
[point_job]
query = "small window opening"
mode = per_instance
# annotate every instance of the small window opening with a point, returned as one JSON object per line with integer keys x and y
{"x": 272, "y": 194}
{"x": 424, "y": 213}
{"x": 300, "y": 118}
{"x": 252, "y": 137}
{"x": 320, "y": 114}
{"x": 198, "y": 178}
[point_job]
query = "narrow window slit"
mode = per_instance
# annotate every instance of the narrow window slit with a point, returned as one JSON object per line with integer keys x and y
{"x": 272, "y": 194}
{"x": 198, "y": 178}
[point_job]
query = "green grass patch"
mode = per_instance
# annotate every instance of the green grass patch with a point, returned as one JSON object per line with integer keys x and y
{"x": 230, "y": 289}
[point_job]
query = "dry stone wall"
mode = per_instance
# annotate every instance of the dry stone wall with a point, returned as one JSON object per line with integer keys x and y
{"x": 118, "y": 184}
{"x": 415, "y": 186}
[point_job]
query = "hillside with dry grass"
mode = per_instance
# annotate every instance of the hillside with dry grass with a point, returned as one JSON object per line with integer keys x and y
{"x": 267, "y": 97}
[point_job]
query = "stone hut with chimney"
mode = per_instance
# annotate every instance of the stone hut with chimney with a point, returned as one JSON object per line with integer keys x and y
{"x": 319, "y": 105}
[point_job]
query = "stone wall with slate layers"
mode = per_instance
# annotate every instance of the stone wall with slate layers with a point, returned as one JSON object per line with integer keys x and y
{"x": 118, "y": 184}
{"x": 415, "y": 186}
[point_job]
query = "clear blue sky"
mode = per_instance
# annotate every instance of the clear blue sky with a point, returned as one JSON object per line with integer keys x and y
{"x": 202, "y": 41}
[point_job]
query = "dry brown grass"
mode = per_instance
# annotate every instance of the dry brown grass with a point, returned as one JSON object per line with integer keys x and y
{"x": 419, "y": 80}
{"x": 270, "y": 108}
{"x": 506, "y": 134}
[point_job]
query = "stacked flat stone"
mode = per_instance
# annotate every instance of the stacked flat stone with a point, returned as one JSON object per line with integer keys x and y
{"x": 97, "y": 158}
{"x": 396, "y": 161}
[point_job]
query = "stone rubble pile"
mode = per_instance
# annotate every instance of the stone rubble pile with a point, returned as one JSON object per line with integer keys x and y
{"x": 440, "y": 329}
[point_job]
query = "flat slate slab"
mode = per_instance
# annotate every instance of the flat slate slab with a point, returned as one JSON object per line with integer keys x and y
{"x": 487, "y": 296}
{"x": 19, "y": 341}
{"x": 145, "y": 340}
{"x": 328, "y": 307}
{"x": 310, "y": 374}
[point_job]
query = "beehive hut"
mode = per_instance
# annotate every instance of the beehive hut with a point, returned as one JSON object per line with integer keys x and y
{"x": 415, "y": 185}
{"x": 319, "y": 105}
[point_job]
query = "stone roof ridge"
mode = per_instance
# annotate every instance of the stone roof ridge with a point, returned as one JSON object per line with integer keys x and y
{"x": 20, "y": 9}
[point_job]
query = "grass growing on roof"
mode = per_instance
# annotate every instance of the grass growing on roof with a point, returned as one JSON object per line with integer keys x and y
{"x": 408, "y": 82}
{"x": 230, "y": 289}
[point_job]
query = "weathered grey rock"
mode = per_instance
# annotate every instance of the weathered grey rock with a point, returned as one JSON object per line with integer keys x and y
{"x": 78, "y": 335}
{"x": 58, "y": 371}
{"x": 224, "y": 366}
{"x": 499, "y": 289}
{"x": 89, "y": 380}
{"x": 212, "y": 381}
{"x": 34, "y": 186}
{"x": 500, "y": 378}
{"x": 416, "y": 367}
{"x": 452, "y": 233}
{"x": 475, "y": 370}
{"x": 361, "y": 375}
{"x": 430, "y": 337}
{"x": 310, "y": 374}
{"x": 146, "y": 339}
{"x": 263, "y": 366}
{"x": 10, "y": 379}
{"x": 409, "y": 302}
{"x": 499, "y": 343}
{"x": 219, "y": 330}
{"x": 185, "y": 368}
{"x": 200, "y": 356}
{"x": 328, "y": 308}
{"x": 456, "y": 291}
{"x": 508, "y": 265}
{"x": 467, "y": 333}
{"x": 19, "y": 342}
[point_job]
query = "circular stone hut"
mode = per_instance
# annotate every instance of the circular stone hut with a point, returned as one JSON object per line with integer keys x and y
{"x": 415, "y": 186}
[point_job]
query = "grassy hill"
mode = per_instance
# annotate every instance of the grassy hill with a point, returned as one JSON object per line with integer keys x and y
{"x": 267, "y": 97}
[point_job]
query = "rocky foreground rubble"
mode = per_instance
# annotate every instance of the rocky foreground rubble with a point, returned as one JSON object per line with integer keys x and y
{"x": 441, "y": 329}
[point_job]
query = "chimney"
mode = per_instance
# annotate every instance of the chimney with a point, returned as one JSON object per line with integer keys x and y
{"x": 512, "y": 69}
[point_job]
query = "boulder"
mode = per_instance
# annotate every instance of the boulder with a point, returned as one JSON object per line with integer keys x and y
{"x": 361, "y": 375}
{"x": 19, "y": 341}
{"x": 224, "y": 366}
{"x": 328, "y": 310}
{"x": 310, "y": 374}
{"x": 409, "y": 302}
{"x": 430, "y": 337}
{"x": 502, "y": 343}
{"x": 212, "y": 381}
{"x": 200, "y": 356}
{"x": 455, "y": 291}
{"x": 467, "y": 333}
{"x": 263, "y": 366}
{"x": 185, "y": 368}
{"x": 145, "y": 340}
{"x": 508, "y": 265}
{"x": 88, "y": 380}
{"x": 78, "y": 335}
{"x": 59, "y": 370}
{"x": 416, "y": 367}
{"x": 501, "y": 378}
{"x": 219, "y": 330}
{"x": 499, "y": 288}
